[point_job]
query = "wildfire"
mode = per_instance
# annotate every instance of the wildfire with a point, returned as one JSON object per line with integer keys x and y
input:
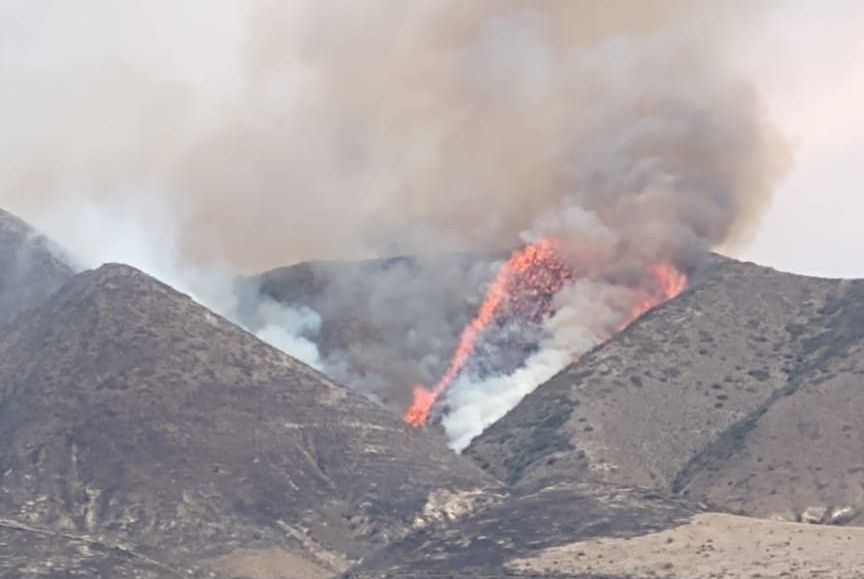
{"x": 666, "y": 282}
{"x": 525, "y": 285}
{"x": 533, "y": 270}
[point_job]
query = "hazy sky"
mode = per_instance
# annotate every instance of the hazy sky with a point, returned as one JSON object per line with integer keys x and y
{"x": 807, "y": 58}
{"x": 809, "y": 61}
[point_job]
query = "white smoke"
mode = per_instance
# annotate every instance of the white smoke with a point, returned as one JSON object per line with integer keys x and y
{"x": 586, "y": 312}
{"x": 138, "y": 229}
{"x": 280, "y": 131}
{"x": 286, "y": 329}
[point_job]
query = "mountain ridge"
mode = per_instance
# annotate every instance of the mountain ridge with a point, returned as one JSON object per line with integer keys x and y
{"x": 30, "y": 269}
{"x": 131, "y": 414}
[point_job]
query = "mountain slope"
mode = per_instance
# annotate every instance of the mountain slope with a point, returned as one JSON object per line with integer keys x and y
{"x": 684, "y": 389}
{"x": 128, "y": 413}
{"x": 385, "y": 324}
{"x": 804, "y": 452}
{"x": 742, "y": 395}
{"x": 29, "y": 268}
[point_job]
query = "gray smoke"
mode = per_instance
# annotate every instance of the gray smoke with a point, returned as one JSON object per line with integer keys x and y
{"x": 281, "y": 131}
{"x": 269, "y": 132}
{"x": 138, "y": 230}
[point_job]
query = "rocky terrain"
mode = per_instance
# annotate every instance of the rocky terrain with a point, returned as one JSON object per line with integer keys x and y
{"x": 143, "y": 436}
{"x": 741, "y": 393}
{"x": 30, "y": 268}
{"x": 583, "y": 532}
{"x": 800, "y": 455}
{"x": 130, "y": 415}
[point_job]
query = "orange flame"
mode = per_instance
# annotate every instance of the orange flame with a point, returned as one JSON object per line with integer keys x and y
{"x": 668, "y": 282}
{"x": 522, "y": 270}
{"x": 534, "y": 271}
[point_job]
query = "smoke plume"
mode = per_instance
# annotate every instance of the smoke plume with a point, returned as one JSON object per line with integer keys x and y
{"x": 277, "y": 131}
{"x": 136, "y": 229}
{"x": 281, "y": 131}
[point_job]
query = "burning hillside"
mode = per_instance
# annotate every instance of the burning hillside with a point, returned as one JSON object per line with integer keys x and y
{"x": 524, "y": 287}
{"x": 524, "y": 291}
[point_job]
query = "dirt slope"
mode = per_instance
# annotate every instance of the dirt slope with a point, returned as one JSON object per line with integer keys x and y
{"x": 804, "y": 453}
{"x": 686, "y": 396}
{"x": 129, "y": 414}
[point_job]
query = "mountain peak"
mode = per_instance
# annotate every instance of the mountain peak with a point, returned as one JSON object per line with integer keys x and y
{"x": 137, "y": 414}
{"x": 30, "y": 269}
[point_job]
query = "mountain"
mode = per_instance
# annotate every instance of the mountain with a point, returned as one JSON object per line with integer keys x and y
{"x": 740, "y": 393}
{"x": 134, "y": 420}
{"x": 801, "y": 451}
{"x": 385, "y": 324}
{"x": 740, "y": 396}
{"x": 30, "y": 270}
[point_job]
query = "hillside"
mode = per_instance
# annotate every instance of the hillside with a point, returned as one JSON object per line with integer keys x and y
{"x": 30, "y": 271}
{"x": 742, "y": 395}
{"x": 385, "y": 324}
{"x": 731, "y": 394}
{"x": 143, "y": 436}
{"x": 586, "y": 532}
{"x": 130, "y": 415}
{"x": 803, "y": 450}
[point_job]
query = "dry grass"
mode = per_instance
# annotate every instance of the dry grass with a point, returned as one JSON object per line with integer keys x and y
{"x": 714, "y": 546}
{"x": 268, "y": 564}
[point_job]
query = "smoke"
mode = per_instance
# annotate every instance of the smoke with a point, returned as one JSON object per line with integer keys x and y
{"x": 136, "y": 229}
{"x": 267, "y": 132}
{"x": 586, "y": 313}
{"x": 289, "y": 130}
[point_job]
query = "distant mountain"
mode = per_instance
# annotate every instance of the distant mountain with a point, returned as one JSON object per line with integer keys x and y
{"x": 742, "y": 393}
{"x": 132, "y": 418}
{"x": 30, "y": 270}
{"x": 385, "y": 324}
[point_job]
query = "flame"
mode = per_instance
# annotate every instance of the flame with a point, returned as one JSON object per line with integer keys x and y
{"x": 531, "y": 271}
{"x": 665, "y": 282}
{"x": 525, "y": 284}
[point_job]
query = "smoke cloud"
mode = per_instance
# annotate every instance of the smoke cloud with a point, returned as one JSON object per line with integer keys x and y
{"x": 137, "y": 229}
{"x": 289, "y": 130}
{"x": 268, "y": 132}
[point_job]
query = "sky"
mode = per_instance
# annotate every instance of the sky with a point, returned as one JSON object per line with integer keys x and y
{"x": 807, "y": 58}
{"x": 810, "y": 66}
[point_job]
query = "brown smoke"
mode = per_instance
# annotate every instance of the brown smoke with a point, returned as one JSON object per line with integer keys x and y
{"x": 341, "y": 128}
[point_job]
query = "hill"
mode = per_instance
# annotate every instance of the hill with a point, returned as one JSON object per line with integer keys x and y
{"x": 385, "y": 324}
{"x": 730, "y": 394}
{"x": 30, "y": 270}
{"x": 132, "y": 416}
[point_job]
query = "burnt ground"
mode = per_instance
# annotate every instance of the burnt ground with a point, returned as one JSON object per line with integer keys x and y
{"x": 483, "y": 543}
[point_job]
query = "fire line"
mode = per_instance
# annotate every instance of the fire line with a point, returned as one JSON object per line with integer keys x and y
{"x": 532, "y": 271}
